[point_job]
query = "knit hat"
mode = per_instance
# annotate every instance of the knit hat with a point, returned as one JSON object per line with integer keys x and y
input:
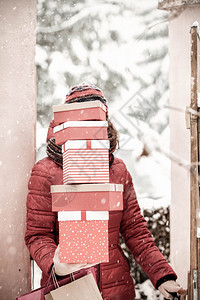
{"x": 83, "y": 93}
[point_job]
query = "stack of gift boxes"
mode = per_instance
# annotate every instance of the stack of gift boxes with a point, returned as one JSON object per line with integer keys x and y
{"x": 84, "y": 200}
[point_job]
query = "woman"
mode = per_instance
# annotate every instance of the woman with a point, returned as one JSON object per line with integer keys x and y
{"x": 42, "y": 238}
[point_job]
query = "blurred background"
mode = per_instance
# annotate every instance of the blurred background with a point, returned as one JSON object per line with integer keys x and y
{"x": 121, "y": 47}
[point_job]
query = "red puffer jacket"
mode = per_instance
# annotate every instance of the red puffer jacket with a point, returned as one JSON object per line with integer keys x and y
{"x": 42, "y": 232}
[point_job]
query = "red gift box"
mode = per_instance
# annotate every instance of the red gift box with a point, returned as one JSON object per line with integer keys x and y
{"x": 86, "y": 161}
{"x": 82, "y": 111}
{"x": 80, "y": 130}
{"x": 95, "y": 197}
{"x": 83, "y": 236}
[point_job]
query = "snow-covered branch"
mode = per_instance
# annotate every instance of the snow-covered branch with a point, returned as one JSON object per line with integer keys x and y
{"x": 189, "y": 110}
{"x": 87, "y": 11}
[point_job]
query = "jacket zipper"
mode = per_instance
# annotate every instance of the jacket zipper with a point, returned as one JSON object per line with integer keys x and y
{"x": 99, "y": 277}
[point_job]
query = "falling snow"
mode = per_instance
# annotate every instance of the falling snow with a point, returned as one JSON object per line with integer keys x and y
{"x": 128, "y": 62}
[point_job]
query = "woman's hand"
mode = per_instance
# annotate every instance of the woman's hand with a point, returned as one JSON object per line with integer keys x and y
{"x": 62, "y": 269}
{"x": 172, "y": 286}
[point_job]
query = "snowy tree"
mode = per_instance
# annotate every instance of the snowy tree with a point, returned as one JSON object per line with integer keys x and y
{"x": 119, "y": 46}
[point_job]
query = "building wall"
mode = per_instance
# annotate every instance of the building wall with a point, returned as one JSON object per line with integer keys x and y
{"x": 17, "y": 151}
{"x": 179, "y": 51}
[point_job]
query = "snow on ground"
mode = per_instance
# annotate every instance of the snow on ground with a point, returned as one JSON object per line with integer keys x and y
{"x": 146, "y": 291}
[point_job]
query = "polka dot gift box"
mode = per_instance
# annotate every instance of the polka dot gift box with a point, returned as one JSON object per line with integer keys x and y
{"x": 83, "y": 236}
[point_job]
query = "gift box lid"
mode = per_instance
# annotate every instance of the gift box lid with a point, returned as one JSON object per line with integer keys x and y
{"x": 79, "y": 105}
{"x": 89, "y": 187}
{"x": 83, "y": 144}
{"x": 83, "y": 215}
{"x": 80, "y": 124}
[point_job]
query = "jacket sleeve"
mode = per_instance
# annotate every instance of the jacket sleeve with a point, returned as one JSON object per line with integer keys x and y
{"x": 40, "y": 222}
{"x": 138, "y": 238}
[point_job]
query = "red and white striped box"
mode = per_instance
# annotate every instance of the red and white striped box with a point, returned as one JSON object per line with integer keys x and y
{"x": 83, "y": 236}
{"x": 81, "y": 111}
{"x": 80, "y": 130}
{"x": 86, "y": 161}
{"x": 95, "y": 197}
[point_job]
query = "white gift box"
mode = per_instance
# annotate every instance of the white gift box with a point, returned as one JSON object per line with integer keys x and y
{"x": 83, "y": 215}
